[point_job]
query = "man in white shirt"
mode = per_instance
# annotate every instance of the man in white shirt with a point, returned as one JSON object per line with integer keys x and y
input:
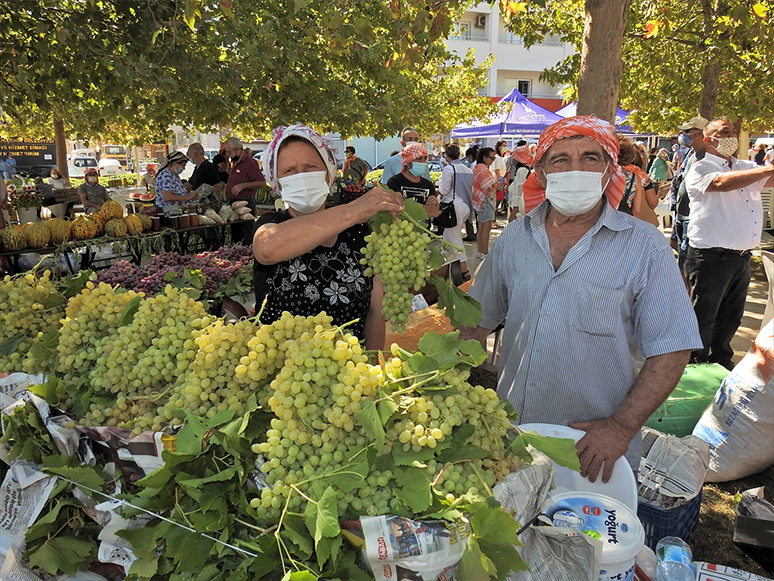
{"x": 726, "y": 223}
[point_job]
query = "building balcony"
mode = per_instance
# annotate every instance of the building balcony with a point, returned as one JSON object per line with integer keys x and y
{"x": 471, "y": 37}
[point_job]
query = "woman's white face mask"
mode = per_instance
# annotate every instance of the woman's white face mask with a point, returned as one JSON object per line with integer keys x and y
{"x": 305, "y": 192}
{"x": 573, "y": 193}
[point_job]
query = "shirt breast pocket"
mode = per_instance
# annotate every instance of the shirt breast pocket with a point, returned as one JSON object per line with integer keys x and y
{"x": 598, "y": 309}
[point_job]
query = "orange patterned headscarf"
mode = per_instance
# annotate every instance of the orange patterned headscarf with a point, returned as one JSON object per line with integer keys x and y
{"x": 412, "y": 151}
{"x": 589, "y": 126}
{"x": 523, "y": 155}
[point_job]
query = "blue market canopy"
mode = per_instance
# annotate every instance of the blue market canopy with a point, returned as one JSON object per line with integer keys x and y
{"x": 524, "y": 118}
{"x": 621, "y": 117}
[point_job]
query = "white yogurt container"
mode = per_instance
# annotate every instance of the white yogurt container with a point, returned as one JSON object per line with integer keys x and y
{"x": 606, "y": 519}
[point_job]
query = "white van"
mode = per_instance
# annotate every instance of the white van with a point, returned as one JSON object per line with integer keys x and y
{"x": 81, "y": 153}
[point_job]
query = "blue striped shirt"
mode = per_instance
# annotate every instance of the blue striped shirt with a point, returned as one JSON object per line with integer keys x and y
{"x": 572, "y": 335}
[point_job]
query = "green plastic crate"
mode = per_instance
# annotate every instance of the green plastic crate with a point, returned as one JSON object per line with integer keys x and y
{"x": 695, "y": 391}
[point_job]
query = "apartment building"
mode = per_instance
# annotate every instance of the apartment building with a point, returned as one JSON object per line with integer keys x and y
{"x": 514, "y": 66}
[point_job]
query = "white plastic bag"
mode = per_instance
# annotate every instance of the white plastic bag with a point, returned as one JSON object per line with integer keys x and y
{"x": 739, "y": 424}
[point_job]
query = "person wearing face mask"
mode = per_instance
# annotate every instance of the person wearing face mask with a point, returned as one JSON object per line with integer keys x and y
{"x": 411, "y": 183}
{"x": 170, "y": 190}
{"x": 91, "y": 193}
{"x": 725, "y": 225}
{"x": 243, "y": 181}
{"x": 499, "y": 169}
{"x": 394, "y": 164}
{"x": 354, "y": 168}
{"x": 694, "y": 136}
{"x": 582, "y": 289}
{"x": 307, "y": 257}
{"x": 57, "y": 180}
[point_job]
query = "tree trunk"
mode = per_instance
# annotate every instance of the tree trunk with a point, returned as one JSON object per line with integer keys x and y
{"x": 601, "y": 65}
{"x": 60, "y": 142}
{"x": 710, "y": 76}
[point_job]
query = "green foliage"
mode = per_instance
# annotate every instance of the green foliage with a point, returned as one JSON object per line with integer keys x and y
{"x": 668, "y": 45}
{"x": 129, "y": 70}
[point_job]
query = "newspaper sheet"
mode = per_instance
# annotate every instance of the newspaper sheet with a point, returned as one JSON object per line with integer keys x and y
{"x": 398, "y": 548}
{"x": 136, "y": 456}
{"x": 13, "y": 568}
{"x": 553, "y": 554}
{"x": 14, "y": 387}
{"x": 20, "y": 507}
{"x": 117, "y": 550}
{"x": 710, "y": 572}
{"x": 672, "y": 469}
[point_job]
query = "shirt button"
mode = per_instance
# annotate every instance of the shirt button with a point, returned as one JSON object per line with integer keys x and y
{"x": 538, "y": 350}
{"x": 532, "y": 384}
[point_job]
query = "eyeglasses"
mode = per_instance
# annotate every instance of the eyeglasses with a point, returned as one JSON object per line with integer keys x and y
{"x": 492, "y": 157}
{"x": 410, "y": 140}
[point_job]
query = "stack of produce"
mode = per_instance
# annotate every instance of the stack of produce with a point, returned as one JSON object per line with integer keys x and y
{"x": 218, "y": 268}
{"x": 287, "y": 429}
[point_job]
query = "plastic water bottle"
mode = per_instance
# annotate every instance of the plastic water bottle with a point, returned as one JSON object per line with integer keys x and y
{"x": 675, "y": 560}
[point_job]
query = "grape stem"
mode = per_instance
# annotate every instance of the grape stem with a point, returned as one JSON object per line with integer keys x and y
{"x": 422, "y": 227}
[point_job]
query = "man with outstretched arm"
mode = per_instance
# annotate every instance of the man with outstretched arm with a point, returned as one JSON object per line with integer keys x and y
{"x": 581, "y": 288}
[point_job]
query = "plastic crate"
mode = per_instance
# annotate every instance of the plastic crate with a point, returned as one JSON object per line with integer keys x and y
{"x": 674, "y": 522}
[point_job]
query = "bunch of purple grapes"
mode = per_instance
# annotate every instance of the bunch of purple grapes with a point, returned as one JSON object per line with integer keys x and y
{"x": 217, "y": 267}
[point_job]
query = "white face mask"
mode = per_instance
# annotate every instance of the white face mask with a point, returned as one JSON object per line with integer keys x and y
{"x": 305, "y": 192}
{"x": 727, "y": 145}
{"x": 572, "y": 193}
{"x": 92, "y": 179}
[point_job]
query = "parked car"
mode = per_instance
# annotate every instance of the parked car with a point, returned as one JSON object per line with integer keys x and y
{"x": 78, "y": 165}
{"x": 110, "y": 167}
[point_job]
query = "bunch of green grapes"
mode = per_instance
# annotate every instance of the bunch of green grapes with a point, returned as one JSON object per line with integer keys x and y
{"x": 210, "y": 384}
{"x": 25, "y": 312}
{"x": 90, "y": 316}
{"x": 140, "y": 363}
{"x": 397, "y": 253}
{"x": 266, "y": 350}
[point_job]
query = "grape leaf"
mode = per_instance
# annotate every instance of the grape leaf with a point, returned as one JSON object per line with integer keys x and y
{"x": 143, "y": 539}
{"x": 369, "y": 418}
{"x": 143, "y": 569}
{"x": 45, "y": 524}
{"x": 63, "y": 554}
{"x": 496, "y": 533}
{"x": 8, "y": 348}
{"x": 328, "y": 548}
{"x": 159, "y": 477}
{"x": 413, "y": 488}
{"x": 189, "y": 438}
{"x": 351, "y": 475}
{"x": 80, "y": 475}
{"x": 221, "y": 476}
{"x": 458, "y": 453}
{"x": 302, "y": 576}
{"x": 194, "y": 552}
{"x": 435, "y": 258}
{"x": 461, "y": 308}
{"x": 387, "y": 407}
{"x": 52, "y": 390}
{"x": 560, "y": 450}
{"x": 129, "y": 311}
{"x": 296, "y": 532}
{"x": 378, "y": 219}
{"x": 415, "y": 210}
{"x": 322, "y": 517}
{"x": 45, "y": 347}
{"x": 448, "y": 349}
{"x": 75, "y": 284}
{"x": 475, "y": 565}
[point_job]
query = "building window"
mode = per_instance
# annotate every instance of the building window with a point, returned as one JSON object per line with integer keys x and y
{"x": 510, "y": 38}
{"x": 524, "y": 87}
{"x": 461, "y": 31}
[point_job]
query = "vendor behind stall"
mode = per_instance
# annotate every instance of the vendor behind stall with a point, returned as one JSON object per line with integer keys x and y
{"x": 149, "y": 177}
{"x": 205, "y": 178}
{"x": 57, "y": 180}
{"x": 91, "y": 192}
{"x": 308, "y": 257}
{"x": 170, "y": 190}
{"x": 243, "y": 181}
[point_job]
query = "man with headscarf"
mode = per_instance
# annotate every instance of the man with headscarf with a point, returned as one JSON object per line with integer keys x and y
{"x": 411, "y": 182}
{"x": 394, "y": 164}
{"x": 581, "y": 288}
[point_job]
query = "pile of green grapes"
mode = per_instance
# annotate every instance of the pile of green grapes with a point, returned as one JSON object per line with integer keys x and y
{"x": 317, "y": 398}
{"x": 30, "y": 305}
{"x": 397, "y": 253}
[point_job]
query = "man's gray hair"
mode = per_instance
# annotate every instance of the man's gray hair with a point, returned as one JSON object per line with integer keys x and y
{"x": 233, "y": 143}
{"x": 197, "y": 147}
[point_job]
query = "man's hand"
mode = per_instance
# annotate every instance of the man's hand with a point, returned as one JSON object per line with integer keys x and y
{"x": 237, "y": 188}
{"x": 605, "y": 441}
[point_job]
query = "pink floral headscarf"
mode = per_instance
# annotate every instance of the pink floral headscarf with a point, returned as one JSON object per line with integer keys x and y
{"x": 320, "y": 143}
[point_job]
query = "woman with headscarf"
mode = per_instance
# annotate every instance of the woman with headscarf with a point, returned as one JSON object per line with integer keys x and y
{"x": 410, "y": 181}
{"x": 308, "y": 256}
{"x": 639, "y": 197}
{"x": 170, "y": 190}
{"x": 500, "y": 170}
{"x": 484, "y": 198}
{"x": 523, "y": 163}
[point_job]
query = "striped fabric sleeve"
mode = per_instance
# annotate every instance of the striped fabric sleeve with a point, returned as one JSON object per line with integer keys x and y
{"x": 664, "y": 326}
{"x": 489, "y": 288}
